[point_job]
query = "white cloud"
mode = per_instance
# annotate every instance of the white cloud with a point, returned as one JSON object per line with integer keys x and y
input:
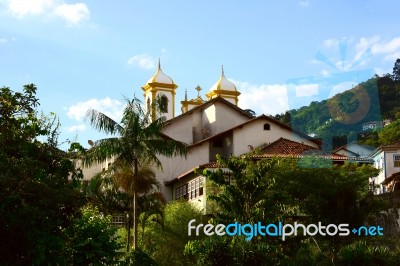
{"x": 110, "y": 107}
{"x": 75, "y": 128}
{"x": 143, "y": 61}
{"x": 341, "y": 87}
{"x": 21, "y": 8}
{"x": 3, "y": 40}
{"x": 73, "y": 14}
{"x": 263, "y": 98}
{"x": 380, "y": 71}
{"x": 329, "y": 43}
{"x": 389, "y": 49}
{"x": 304, "y": 3}
{"x": 306, "y": 90}
{"x": 325, "y": 72}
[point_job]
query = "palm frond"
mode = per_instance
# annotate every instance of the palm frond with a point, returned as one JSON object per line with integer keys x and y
{"x": 144, "y": 182}
{"x": 102, "y": 122}
{"x": 102, "y": 150}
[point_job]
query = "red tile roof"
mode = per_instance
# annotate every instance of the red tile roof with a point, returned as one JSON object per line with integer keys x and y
{"x": 391, "y": 145}
{"x": 285, "y": 148}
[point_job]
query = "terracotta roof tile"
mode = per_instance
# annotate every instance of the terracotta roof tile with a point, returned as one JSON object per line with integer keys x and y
{"x": 285, "y": 148}
{"x": 391, "y": 145}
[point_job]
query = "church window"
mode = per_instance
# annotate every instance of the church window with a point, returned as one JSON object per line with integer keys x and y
{"x": 267, "y": 126}
{"x": 163, "y": 104}
{"x": 219, "y": 143}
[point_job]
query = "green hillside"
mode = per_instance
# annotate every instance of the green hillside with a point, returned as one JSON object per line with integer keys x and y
{"x": 341, "y": 117}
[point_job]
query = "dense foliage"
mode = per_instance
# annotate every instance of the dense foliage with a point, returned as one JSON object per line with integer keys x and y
{"x": 36, "y": 198}
{"x": 42, "y": 218}
{"x": 92, "y": 239}
{"x": 279, "y": 190}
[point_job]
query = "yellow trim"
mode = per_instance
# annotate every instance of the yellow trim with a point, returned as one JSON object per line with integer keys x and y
{"x": 153, "y": 105}
{"x": 224, "y": 94}
{"x": 173, "y": 104}
{"x": 155, "y": 85}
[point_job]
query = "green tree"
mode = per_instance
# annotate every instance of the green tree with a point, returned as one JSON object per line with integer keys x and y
{"x": 92, "y": 239}
{"x": 166, "y": 244}
{"x": 39, "y": 195}
{"x": 103, "y": 192}
{"x": 285, "y": 190}
{"x": 245, "y": 197}
{"x": 133, "y": 140}
{"x": 390, "y": 133}
{"x": 145, "y": 186}
{"x": 396, "y": 70}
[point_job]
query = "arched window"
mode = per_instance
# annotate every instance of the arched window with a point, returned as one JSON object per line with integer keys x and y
{"x": 267, "y": 126}
{"x": 163, "y": 104}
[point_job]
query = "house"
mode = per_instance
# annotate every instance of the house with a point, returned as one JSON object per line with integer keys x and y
{"x": 354, "y": 149}
{"x": 387, "y": 159}
{"x": 372, "y": 125}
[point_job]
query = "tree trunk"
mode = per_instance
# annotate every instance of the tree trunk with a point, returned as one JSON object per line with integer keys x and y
{"x": 135, "y": 233}
{"x": 128, "y": 232}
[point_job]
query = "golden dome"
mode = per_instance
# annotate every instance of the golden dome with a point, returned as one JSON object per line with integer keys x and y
{"x": 160, "y": 77}
{"x": 225, "y": 89}
{"x": 223, "y": 84}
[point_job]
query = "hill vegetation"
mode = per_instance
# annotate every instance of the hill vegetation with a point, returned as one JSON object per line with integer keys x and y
{"x": 336, "y": 118}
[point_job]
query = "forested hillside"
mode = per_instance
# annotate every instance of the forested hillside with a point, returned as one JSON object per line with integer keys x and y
{"x": 336, "y": 118}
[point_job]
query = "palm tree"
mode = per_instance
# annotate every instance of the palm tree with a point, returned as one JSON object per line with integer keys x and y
{"x": 136, "y": 139}
{"x": 142, "y": 185}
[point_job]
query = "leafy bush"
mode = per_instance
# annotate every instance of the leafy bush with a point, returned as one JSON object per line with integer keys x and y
{"x": 92, "y": 239}
{"x": 361, "y": 253}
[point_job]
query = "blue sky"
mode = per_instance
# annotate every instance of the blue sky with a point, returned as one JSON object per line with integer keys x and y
{"x": 85, "y": 54}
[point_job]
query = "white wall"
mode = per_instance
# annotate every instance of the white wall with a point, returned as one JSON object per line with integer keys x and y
{"x": 390, "y": 169}
{"x": 89, "y": 172}
{"x": 181, "y": 129}
{"x": 255, "y": 135}
{"x": 227, "y": 118}
{"x": 175, "y": 166}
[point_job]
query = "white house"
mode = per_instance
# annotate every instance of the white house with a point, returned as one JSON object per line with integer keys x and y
{"x": 354, "y": 149}
{"x": 387, "y": 159}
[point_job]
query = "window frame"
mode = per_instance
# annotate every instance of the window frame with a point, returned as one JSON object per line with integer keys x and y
{"x": 396, "y": 160}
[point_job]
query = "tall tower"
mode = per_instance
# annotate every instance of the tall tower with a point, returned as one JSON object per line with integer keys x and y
{"x": 160, "y": 89}
{"x": 225, "y": 89}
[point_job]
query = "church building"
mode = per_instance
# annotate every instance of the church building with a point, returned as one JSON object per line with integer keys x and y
{"x": 209, "y": 126}
{"x": 216, "y": 125}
